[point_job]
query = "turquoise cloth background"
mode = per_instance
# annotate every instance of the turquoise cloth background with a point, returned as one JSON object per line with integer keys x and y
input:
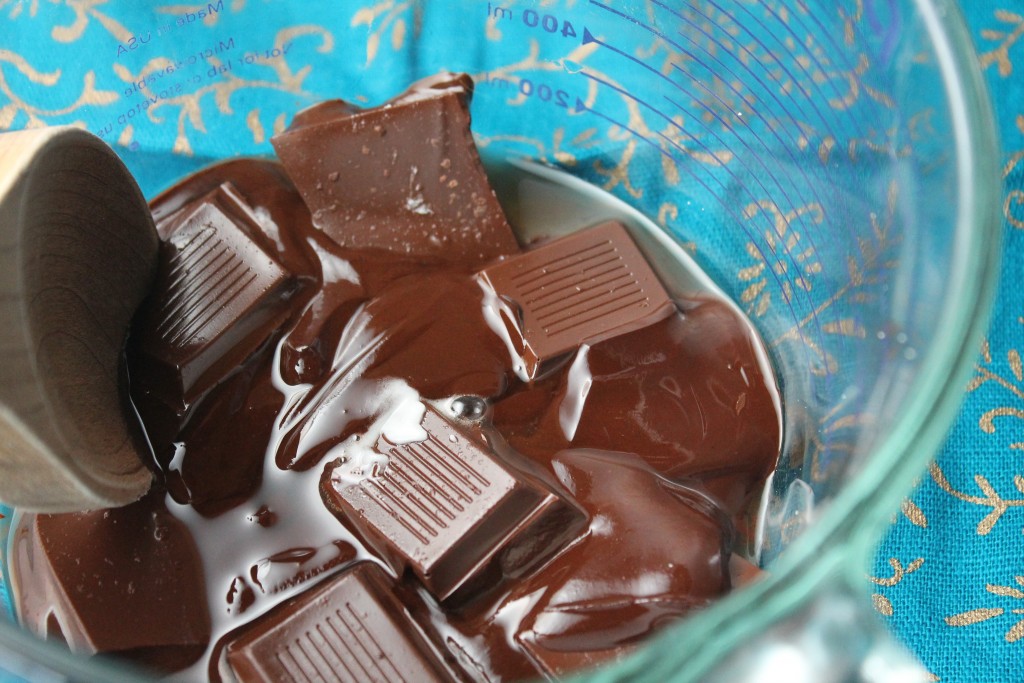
{"x": 949, "y": 577}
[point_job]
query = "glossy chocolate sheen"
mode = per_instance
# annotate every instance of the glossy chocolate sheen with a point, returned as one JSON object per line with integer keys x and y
{"x": 447, "y": 505}
{"x": 215, "y": 287}
{"x": 126, "y": 581}
{"x": 582, "y": 288}
{"x": 404, "y": 176}
{"x": 627, "y": 461}
{"x": 350, "y": 628}
{"x": 687, "y": 394}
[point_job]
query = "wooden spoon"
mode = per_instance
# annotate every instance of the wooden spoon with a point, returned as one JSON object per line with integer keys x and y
{"x": 78, "y": 252}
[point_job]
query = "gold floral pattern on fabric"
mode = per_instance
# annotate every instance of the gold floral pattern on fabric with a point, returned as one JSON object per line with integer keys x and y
{"x": 882, "y": 604}
{"x": 189, "y": 105}
{"x": 980, "y": 614}
{"x": 38, "y": 116}
{"x": 388, "y": 17}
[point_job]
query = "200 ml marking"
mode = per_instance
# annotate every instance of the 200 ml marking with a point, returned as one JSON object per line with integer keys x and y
{"x": 529, "y": 88}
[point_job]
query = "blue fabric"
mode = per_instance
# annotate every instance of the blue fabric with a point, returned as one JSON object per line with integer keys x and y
{"x": 218, "y": 79}
{"x": 949, "y": 577}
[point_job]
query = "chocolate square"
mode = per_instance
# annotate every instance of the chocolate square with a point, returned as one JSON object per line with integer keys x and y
{"x": 351, "y": 628}
{"x": 126, "y": 581}
{"x": 448, "y": 507}
{"x": 219, "y": 294}
{"x": 581, "y": 288}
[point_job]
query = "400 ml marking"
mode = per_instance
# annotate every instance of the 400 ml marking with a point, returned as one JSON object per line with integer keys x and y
{"x": 533, "y": 19}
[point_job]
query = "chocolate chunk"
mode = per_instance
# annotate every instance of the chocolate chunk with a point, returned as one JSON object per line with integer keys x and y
{"x": 404, "y": 177}
{"x": 352, "y": 628}
{"x": 264, "y": 190}
{"x": 127, "y": 581}
{"x": 546, "y": 553}
{"x": 598, "y": 599}
{"x": 446, "y": 316}
{"x": 447, "y": 507}
{"x": 690, "y": 394}
{"x": 219, "y": 294}
{"x": 585, "y": 287}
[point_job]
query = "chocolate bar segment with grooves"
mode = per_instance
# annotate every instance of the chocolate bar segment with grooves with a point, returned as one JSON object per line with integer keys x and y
{"x": 585, "y": 287}
{"x": 450, "y": 509}
{"x": 403, "y": 177}
{"x": 352, "y": 628}
{"x": 219, "y": 293}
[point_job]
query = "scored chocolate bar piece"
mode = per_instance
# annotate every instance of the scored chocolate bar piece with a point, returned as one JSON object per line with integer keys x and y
{"x": 449, "y": 508}
{"x": 588, "y": 286}
{"x": 403, "y": 177}
{"x": 219, "y": 293}
{"x": 352, "y": 628}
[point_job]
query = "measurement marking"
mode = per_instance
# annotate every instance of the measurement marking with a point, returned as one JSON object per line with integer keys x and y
{"x": 499, "y": 12}
{"x": 581, "y": 106}
{"x": 614, "y": 11}
{"x": 772, "y": 53}
{"x": 814, "y": 194}
{"x": 676, "y": 145}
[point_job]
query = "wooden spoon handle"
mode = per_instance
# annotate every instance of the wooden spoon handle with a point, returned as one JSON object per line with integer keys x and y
{"x": 78, "y": 252}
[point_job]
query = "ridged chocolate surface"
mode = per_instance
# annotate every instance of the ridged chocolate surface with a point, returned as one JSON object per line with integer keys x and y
{"x": 355, "y": 405}
{"x": 216, "y": 286}
{"x": 580, "y": 289}
{"x": 446, "y": 504}
{"x": 350, "y": 629}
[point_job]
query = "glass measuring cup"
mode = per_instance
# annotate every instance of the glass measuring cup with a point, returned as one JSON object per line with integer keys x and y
{"x": 825, "y": 166}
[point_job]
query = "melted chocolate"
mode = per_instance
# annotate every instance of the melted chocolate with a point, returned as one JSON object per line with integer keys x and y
{"x": 126, "y": 581}
{"x": 399, "y": 177}
{"x": 623, "y": 461}
{"x": 583, "y": 288}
